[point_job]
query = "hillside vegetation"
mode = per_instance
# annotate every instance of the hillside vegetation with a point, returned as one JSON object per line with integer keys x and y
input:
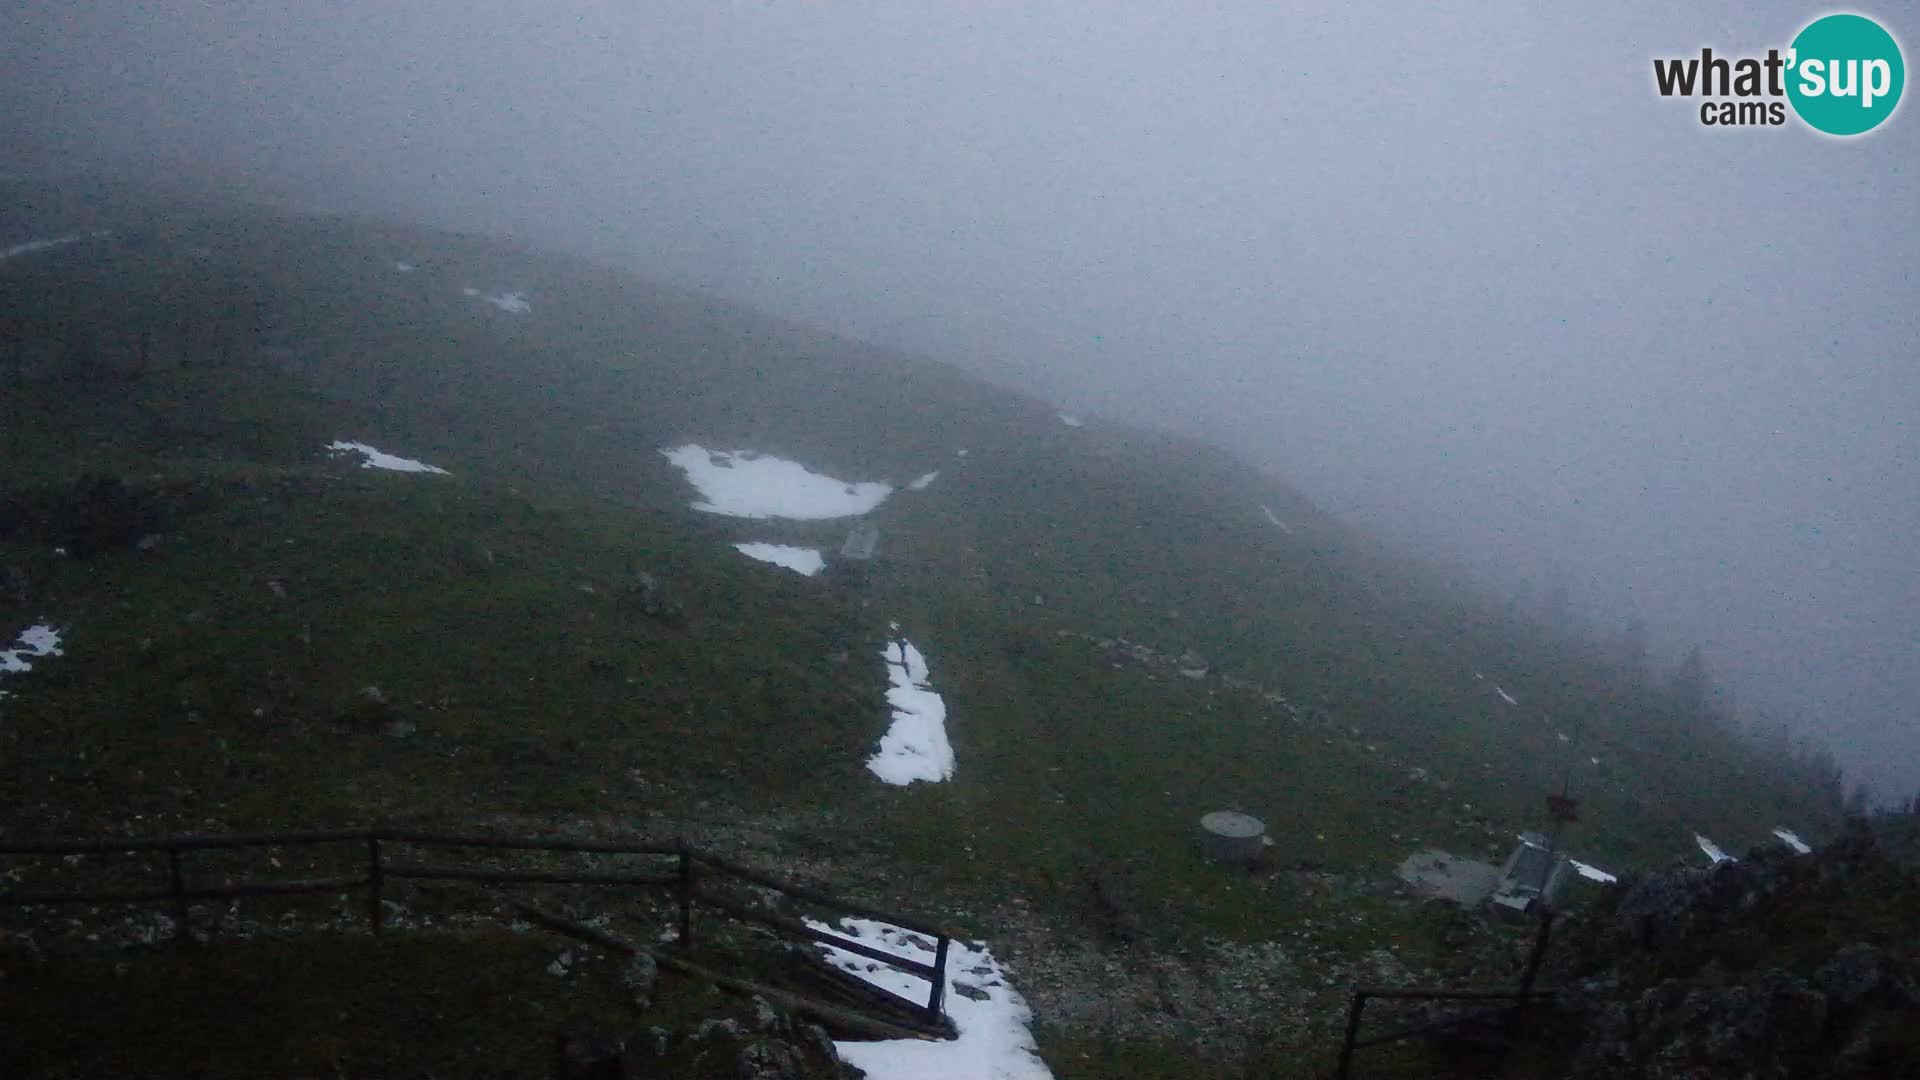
{"x": 227, "y": 592}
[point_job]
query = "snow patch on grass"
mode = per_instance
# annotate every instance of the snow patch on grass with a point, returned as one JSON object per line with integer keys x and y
{"x": 915, "y": 747}
{"x": 403, "y": 266}
{"x": 1593, "y": 873}
{"x": 513, "y": 303}
{"x": 1712, "y": 850}
{"x": 921, "y": 483}
{"x": 1071, "y": 420}
{"x": 1275, "y": 519}
{"x": 1504, "y": 696}
{"x": 34, "y": 642}
{"x": 377, "y": 459}
{"x": 1792, "y": 840}
{"x": 801, "y": 560}
{"x": 991, "y": 1017}
{"x": 741, "y": 483}
{"x": 32, "y": 246}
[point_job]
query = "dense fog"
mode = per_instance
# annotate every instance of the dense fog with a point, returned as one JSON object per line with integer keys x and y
{"x": 1459, "y": 273}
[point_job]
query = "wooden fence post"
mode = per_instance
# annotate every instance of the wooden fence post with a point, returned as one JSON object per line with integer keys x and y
{"x": 938, "y": 995}
{"x": 182, "y": 917}
{"x": 376, "y": 879}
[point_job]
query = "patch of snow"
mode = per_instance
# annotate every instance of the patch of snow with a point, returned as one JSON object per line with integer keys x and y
{"x": 1504, "y": 696}
{"x": 513, "y": 303}
{"x": 32, "y": 246}
{"x": 744, "y": 484}
{"x": 990, "y": 1016}
{"x": 1712, "y": 850}
{"x": 1563, "y": 737}
{"x": 920, "y": 484}
{"x": 404, "y": 267}
{"x": 376, "y": 459}
{"x": 1792, "y": 840}
{"x": 962, "y": 452}
{"x": 1595, "y": 760}
{"x": 35, "y": 641}
{"x": 1071, "y": 420}
{"x": 1284, "y": 527}
{"x": 801, "y": 560}
{"x": 1479, "y": 677}
{"x": 1593, "y": 873}
{"x": 915, "y": 747}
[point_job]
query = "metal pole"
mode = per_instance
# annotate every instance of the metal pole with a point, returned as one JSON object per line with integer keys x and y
{"x": 686, "y": 898}
{"x": 1353, "y": 1032}
{"x": 1539, "y": 950}
{"x": 182, "y": 930}
{"x": 376, "y": 879}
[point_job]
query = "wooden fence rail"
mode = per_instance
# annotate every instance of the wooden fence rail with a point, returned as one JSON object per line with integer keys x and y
{"x": 380, "y": 869}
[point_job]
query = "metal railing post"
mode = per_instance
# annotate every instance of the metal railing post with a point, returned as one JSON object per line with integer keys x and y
{"x": 1539, "y": 951}
{"x": 686, "y": 897}
{"x": 1353, "y": 1032}
{"x": 376, "y": 881}
{"x": 938, "y": 995}
{"x": 182, "y": 916}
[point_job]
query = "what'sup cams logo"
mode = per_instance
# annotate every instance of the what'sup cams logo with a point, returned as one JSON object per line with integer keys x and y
{"x": 1841, "y": 76}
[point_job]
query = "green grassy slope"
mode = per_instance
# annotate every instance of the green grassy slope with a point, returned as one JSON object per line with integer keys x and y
{"x": 213, "y": 680}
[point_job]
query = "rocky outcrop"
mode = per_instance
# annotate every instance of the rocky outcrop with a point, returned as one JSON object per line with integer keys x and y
{"x": 1773, "y": 966}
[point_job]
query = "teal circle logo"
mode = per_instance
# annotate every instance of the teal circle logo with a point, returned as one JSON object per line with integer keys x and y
{"x": 1845, "y": 74}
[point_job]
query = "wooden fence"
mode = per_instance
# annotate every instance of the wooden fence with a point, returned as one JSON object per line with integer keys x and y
{"x": 691, "y": 863}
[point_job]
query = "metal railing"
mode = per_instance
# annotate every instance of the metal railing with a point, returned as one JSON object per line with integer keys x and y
{"x": 1519, "y": 996}
{"x": 691, "y": 864}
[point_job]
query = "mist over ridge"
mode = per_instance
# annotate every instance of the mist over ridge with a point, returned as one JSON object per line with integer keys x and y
{"x": 1459, "y": 274}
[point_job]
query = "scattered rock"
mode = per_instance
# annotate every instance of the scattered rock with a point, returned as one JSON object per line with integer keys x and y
{"x": 639, "y": 977}
{"x": 368, "y": 711}
{"x": 642, "y": 595}
{"x": 766, "y": 1044}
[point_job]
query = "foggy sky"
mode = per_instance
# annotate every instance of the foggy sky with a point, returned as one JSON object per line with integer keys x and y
{"x": 1457, "y": 272}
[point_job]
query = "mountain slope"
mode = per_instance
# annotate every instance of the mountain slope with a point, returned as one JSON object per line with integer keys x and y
{"x": 246, "y": 589}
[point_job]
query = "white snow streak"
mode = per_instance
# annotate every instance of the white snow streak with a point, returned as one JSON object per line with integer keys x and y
{"x": 806, "y": 561}
{"x": 1712, "y": 850}
{"x": 915, "y": 747}
{"x": 1792, "y": 840}
{"x": 377, "y": 459}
